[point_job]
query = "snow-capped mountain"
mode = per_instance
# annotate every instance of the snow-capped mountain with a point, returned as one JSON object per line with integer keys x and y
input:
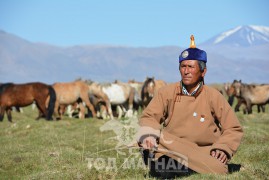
{"x": 242, "y": 36}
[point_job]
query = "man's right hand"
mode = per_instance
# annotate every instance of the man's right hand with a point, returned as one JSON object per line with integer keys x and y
{"x": 149, "y": 142}
{"x": 220, "y": 155}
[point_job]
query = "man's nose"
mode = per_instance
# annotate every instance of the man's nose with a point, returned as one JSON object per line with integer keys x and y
{"x": 186, "y": 70}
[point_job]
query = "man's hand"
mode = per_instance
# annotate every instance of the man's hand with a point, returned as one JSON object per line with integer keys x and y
{"x": 149, "y": 142}
{"x": 220, "y": 155}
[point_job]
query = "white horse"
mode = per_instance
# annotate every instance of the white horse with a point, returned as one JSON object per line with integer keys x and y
{"x": 119, "y": 94}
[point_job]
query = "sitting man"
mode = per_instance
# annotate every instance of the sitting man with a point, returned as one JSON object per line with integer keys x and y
{"x": 189, "y": 126}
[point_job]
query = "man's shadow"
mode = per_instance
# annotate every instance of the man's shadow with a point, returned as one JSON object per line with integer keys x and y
{"x": 234, "y": 167}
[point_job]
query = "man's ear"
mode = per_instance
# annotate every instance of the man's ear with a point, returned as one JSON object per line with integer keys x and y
{"x": 204, "y": 72}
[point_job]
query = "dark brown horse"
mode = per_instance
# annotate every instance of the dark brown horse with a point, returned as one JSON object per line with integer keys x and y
{"x": 149, "y": 89}
{"x": 21, "y": 95}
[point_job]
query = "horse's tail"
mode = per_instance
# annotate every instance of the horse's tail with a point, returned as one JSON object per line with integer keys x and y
{"x": 143, "y": 92}
{"x": 51, "y": 103}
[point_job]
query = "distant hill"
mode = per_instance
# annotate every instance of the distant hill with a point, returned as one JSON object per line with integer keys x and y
{"x": 24, "y": 61}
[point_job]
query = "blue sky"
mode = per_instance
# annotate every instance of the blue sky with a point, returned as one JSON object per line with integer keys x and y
{"x": 136, "y": 23}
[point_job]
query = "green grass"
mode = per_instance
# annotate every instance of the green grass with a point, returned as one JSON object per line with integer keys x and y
{"x": 62, "y": 149}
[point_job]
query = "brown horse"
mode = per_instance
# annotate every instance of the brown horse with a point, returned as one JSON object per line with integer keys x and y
{"x": 230, "y": 91}
{"x": 251, "y": 94}
{"x": 149, "y": 89}
{"x": 69, "y": 93}
{"x": 21, "y": 95}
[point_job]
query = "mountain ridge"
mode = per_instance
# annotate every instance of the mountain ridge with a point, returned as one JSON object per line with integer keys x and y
{"x": 24, "y": 61}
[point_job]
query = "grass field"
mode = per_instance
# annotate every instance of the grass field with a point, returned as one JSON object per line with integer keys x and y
{"x": 77, "y": 149}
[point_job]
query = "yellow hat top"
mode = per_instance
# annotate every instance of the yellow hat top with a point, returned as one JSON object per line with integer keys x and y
{"x": 192, "y": 42}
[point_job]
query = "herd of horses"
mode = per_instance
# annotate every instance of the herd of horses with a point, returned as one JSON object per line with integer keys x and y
{"x": 247, "y": 95}
{"x": 104, "y": 100}
{"x": 107, "y": 100}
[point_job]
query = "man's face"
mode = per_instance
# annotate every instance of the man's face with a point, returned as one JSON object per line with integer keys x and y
{"x": 190, "y": 72}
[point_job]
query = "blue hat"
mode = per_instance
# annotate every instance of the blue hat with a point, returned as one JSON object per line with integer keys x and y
{"x": 193, "y": 53}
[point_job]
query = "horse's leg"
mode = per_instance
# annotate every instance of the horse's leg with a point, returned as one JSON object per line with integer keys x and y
{"x": 89, "y": 105}
{"x": 120, "y": 111}
{"x": 70, "y": 110}
{"x": 249, "y": 107}
{"x": 245, "y": 107}
{"x": 109, "y": 109}
{"x": 56, "y": 108}
{"x": 259, "y": 108}
{"x": 104, "y": 114}
{"x": 130, "y": 111}
{"x": 40, "y": 114}
{"x": 9, "y": 117}
{"x": 98, "y": 109}
{"x": 107, "y": 106}
{"x": 75, "y": 107}
{"x": 239, "y": 102}
{"x": 18, "y": 109}
{"x": 245, "y": 110}
{"x": 81, "y": 114}
{"x": 61, "y": 110}
{"x": 42, "y": 109}
{"x": 263, "y": 108}
{"x": 34, "y": 105}
{"x": 2, "y": 113}
{"x": 231, "y": 100}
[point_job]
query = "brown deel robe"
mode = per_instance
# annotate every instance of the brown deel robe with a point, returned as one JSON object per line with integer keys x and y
{"x": 194, "y": 126}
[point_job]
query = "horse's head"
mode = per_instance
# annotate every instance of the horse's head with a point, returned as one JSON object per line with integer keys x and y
{"x": 235, "y": 87}
{"x": 149, "y": 87}
{"x": 227, "y": 86}
{"x": 89, "y": 81}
